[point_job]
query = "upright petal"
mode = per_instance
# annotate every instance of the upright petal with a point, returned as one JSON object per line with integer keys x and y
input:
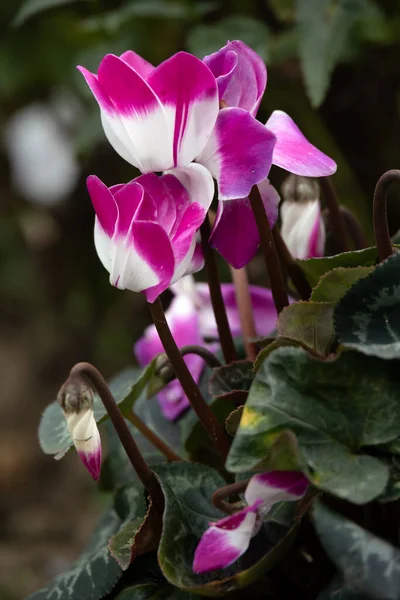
{"x": 293, "y": 152}
{"x": 235, "y": 233}
{"x": 188, "y": 91}
{"x": 103, "y": 204}
{"x": 226, "y": 540}
{"x": 163, "y": 199}
{"x": 303, "y": 228}
{"x": 138, "y": 64}
{"x": 133, "y": 117}
{"x": 275, "y": 486}
{"x": 238, "y": 154}
{"x": 241, "y": 83}
{"x": 184, "y": 240}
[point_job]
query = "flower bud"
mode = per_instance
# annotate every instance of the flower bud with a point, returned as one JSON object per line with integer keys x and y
{"x": 76, "y": 400}
{"x": 302, "y": 227}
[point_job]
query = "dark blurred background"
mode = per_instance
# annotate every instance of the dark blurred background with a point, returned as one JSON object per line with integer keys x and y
{"x": 333, "y": 65}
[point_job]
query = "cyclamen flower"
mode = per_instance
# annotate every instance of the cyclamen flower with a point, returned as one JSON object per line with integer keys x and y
{"x": 241, "y": 77}
{"x": 183, "y": 321}
{"x": 303, "y": 228}
{"x": 76, "y": 401}
{"x": 161, "y": 118}
{"x": 265, "y": 315}
{"x": 145, "y": 230}
{"x": 226, "y": 540}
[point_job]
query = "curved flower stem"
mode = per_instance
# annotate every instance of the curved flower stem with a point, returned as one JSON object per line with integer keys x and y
{"x": 271, "y": 259}
{"x": 217, "y": 300}
{"x": 145, "y": 474}
{"x": 153, "y": 437}
{"x": 245, "y": 306}
{"x": 353, "y": 228}
{"x": 332, "y": 204}
{"x": 209, "y": 358}
{"x": 207, "y": 418}
{"x": 218, "y": 497}
{"x": 294, "y": 271}
{"x": 381, "y": 229}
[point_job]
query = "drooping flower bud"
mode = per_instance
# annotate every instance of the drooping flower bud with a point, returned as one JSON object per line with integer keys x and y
{"x": 76, "y": 400}
{"x": 302, "y": 229}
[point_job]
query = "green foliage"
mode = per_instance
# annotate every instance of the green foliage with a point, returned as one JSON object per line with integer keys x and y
{"x": 94, "y": 574}
{"x": 188, "y": 511}
{"x": 151, "y": 591}
{"x": 126, "y": 389}
{"x": 30, "y": 8}
{"x": 336, "y": 409}
{"x": 206, "y": 39}
{"x": 369, "y": 565}
{"x": 368, "y": 316}
{"x": 333, "y": 285}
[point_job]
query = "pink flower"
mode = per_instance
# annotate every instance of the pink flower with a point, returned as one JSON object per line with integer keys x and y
{"x": 161, "y": 118}
{"x": 241, "y": 77}
{"x": 183, "y": 321}
{"x": 145, "y": 230}
{"x": 226, "y": 540}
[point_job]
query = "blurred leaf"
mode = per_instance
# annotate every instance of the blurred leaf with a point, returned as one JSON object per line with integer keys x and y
{"x": 308, "y": 323}
{"x": 368, "y": 316}
{"x": 238, "y": 375}
{"x": 130, "y": 505}
{"x": 324, "y": 30}
{"x": 314, "y": 268}
{"x": 337, "y": 590}
{"x": 151, "y": 591}
{"x": 206, "y": 39}
{"x": 334, "y": 408}
{"x": 333, "y": 285}
{"x": 95, "y": 572}
{"x": 126, "y": 388}
{"x": 369, "y": 564}
{"x": 29, "y": 8}
{"x": 188, "y": 511}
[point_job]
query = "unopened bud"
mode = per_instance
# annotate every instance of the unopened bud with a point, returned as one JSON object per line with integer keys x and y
{"x": 76, "y": 400}
{"x": 164, "y": 369}
{"x": 299, "y": 189}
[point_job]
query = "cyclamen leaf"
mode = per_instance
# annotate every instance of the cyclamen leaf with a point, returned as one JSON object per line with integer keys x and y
{"x": 324, "y": 29}
{"x": 333, "y": 285}
{"x": 309, "y": 324}
{"x": 369, "y": 564}
{"x": 188, "y": 511}
{"x": 238, "y": 375}
{"x": 368, "y": 316}
{"x": 314, "y": 268}
{"x": 126, "y": 388}
{"x": 29, "y": 8}
{"x": 337, "y": 590}
{"x": 151, "y": 591}
{"x": 94, "y": 574}
{"x": 334, "y": 408}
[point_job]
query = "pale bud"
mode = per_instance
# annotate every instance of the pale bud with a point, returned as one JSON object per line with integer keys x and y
{"x": 76, "y": 400}
{"x": 302, "y": 228}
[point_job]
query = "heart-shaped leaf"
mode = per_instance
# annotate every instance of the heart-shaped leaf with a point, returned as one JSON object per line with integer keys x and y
{"x": 368, "y": 316}
{"x": 126, "y": 388}
{"x": 309, "y": 324}
{"x": 334, "y": 408}
{"x": 369, "y": 564}
{"x": 94, "y": 574}
{"x": 333, "y": 285}
{"x": 188, "y": 511}
{"x": 236, "y": 376}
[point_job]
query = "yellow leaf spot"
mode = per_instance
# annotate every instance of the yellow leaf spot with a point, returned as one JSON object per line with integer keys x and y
{"x": 250, "y": 418}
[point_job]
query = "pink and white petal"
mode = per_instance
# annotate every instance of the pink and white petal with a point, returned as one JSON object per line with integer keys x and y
{"x": 138, "y": 120}
{"x": 235, "y": 233}
{"x": 173, "y": 401}
{"x": 222, "y": 65}
{"x": 159, "y": 191}
{"x": 98, "y": 91}
{"x": 105, "y": 246}
{"x": 138, "y": 64}
{"x": 265, "y": 315}
{"x": 85, "y": 435}
{"x": 246, "y": 84}
{"x": 301, "y": 223}
{"x": 293, "y": 152}
{"x": 275, "y": 486}
{"x": 144, "y": 261}
{"x": 183, "y": 319}
{"x": 238, "y": 154}
{"x": 128, "y": 200}
{"x": 103, "y": 203}
{"x": 196, "y": 263}
{"x": 225, "y": 541}
{"x": 198, "y": 182}
{"x": 148, "y": 346}
{"x": 184, "y": 241}
{"x": 188, "y": 91}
